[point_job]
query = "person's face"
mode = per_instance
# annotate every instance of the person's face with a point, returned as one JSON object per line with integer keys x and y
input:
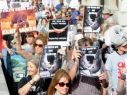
{"x": 44, "y": 22}
{"x": 64, "y": 10}
{"x": 85, "y": 45}
{"x": 31, "y": 69}
{"x": 35, "y": 8}
{"x": 61, "y": 88}
{"x": 105, "y": 16}
{"x": 29, "y": 40}
{"x": 123, "y": 48}
{"x": 38, "y": 46}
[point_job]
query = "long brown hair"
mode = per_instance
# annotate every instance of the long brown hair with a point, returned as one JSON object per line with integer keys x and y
{"x": 43, "y": 37}
{"x": 58, "y": 75}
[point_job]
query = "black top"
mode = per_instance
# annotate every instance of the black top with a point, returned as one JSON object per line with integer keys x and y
{"x": 36, "y": 88}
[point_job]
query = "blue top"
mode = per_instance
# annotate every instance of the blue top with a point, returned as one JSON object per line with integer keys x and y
{"x": 114, "y": 63}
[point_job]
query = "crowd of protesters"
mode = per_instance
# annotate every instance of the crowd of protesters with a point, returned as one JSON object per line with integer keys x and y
{"x": 27, "y": 48}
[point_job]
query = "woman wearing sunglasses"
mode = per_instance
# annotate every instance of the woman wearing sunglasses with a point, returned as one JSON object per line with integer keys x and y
{"x": 38, "y": 44}
{"x": 60, "y": 84}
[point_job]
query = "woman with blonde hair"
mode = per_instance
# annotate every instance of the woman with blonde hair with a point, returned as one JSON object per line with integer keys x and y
{"x": 32, "y": 84}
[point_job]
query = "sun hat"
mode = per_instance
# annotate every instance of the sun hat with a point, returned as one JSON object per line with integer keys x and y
{"x": 118, "y": 35}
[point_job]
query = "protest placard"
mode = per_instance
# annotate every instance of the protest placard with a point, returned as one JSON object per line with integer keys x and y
{"x": 50, "y": 61}
{"x": 25, "y": 18}
{"x": 90, "y": 62}
{"x": 92, "y": 18}
{"x": 58, "y": 32}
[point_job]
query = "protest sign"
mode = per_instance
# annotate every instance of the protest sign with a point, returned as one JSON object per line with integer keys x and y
{"x": 90, "y": 61}
{"x": 25, "y": 18}
{"x": 92, "y": 18}
{"x": 58, "y": 32}
{"x": 50, "y": 61}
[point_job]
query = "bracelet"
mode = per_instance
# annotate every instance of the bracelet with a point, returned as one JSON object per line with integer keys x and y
{"x": 30, "y": 83}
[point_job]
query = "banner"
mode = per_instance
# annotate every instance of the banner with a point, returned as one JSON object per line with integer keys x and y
{"x": 92, "y": 18}
{"x": 50, "y": 61}
{"x": 90, "y": 61}
{"x": 58, "y": 29}
{"x": 24, "y": 18}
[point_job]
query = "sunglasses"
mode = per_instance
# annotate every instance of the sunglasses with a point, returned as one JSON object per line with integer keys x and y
{"x": 62, "y": 84}
{"x": 40, "y": 45}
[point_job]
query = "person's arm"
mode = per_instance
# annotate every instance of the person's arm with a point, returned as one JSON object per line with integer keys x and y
{"x": 122, "y": 82}
{"x": 75, "y": 58}
{"x": 103, "y": 77}
{"x": 26, "y": 88}
{"x": 104, "y": 91}
{"x": 121, "y": 86}
{"x": 73, "y": 70}
{"x": 19, "y": 50}
{"x": 4, "y": 43}
{"x": 103, "y": 80}
{"x": 106, "y": 75}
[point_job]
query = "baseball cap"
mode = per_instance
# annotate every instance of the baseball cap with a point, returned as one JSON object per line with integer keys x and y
{"x": 118, "y": 35}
